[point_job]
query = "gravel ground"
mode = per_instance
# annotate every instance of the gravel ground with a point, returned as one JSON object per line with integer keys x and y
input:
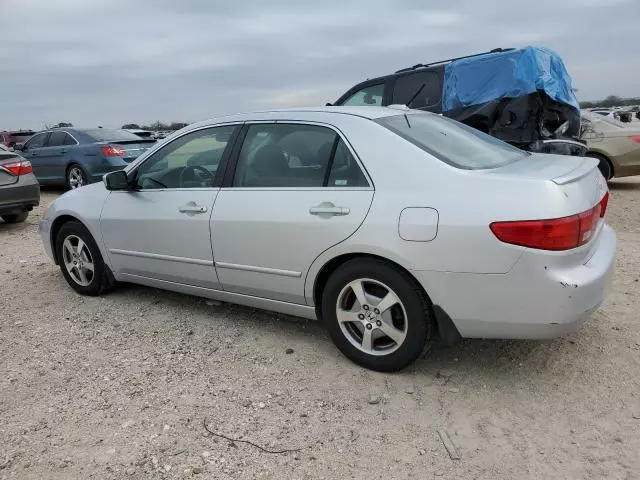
{"x": 120, "y": 387}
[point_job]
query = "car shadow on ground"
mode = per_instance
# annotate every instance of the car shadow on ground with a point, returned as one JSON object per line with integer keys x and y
{"x": 619, "y": 185}
{"x": 510, "y": 358}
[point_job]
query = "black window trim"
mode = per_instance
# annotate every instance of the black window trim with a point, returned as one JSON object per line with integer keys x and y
{"x": 224, "y": 160}
{"x": 235, "y": 155}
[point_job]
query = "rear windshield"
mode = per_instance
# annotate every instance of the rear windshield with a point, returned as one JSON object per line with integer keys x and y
{"x": 105, "y": 135}
{"x": 452, "y": 142}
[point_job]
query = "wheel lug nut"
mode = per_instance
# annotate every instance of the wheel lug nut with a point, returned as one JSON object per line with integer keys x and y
{"x": 369, "y": 326}
{"x": 376, "y": 311}
{"x": 361, "y": 317}
{"x": 379, "y": 323}
{"x": 365, "y": 307}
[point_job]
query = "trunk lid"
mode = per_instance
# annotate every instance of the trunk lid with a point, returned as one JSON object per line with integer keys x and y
{"x": 133, "y": 148}
{"x": 577, "y": 177}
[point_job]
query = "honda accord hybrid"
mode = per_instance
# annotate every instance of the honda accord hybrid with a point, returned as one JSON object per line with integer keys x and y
{"x": 393, "y": 227}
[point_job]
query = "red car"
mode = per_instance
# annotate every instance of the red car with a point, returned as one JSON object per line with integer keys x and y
{"x": 15, "y": 137}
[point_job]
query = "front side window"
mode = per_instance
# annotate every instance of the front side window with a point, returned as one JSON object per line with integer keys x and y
{"x": 37, "y": 141}
{"x": 295, "y": 156}
{"x": 190, "y": 161}
{"x": 452, "y": 142}
{"x": 368, "y": 96}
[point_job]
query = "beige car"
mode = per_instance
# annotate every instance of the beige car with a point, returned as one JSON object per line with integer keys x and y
{"x": 615, "y": 144}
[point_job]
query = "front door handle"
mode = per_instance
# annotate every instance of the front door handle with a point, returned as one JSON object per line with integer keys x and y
{"x": 328, "y": 209}
{"x": 192, "y": 208}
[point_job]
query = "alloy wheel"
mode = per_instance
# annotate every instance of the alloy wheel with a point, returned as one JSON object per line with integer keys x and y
{"x": 76, "y": 177}
{"x": 77, "y": 260}
{"x": 372, "y": 317}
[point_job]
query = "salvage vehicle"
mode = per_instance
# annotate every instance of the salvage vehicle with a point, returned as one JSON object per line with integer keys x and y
{"x": 614, "y": 144}
{"x": 19, "y": 189}
{"x": 74, "y": 157}
{"x": 11, "y": 139}
{"x": 521, "y": 96}
{"x": 392, "y": 226}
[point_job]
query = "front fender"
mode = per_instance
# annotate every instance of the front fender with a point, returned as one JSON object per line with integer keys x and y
{"x": 83, "y": 204}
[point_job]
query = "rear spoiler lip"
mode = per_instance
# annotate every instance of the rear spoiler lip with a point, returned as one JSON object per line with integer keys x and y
{"x": 581, "y": 171}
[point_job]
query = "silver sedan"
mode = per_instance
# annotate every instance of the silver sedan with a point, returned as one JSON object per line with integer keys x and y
{"x": 394, "y": 227}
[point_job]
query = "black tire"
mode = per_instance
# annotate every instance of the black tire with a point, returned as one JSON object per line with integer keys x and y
{"x": 419, "y": 315}
{"x": 101, "y": 280}
{"x": 75, "y": 177}
{"x": 604, "y": 166}
{"x": 15, "y": 217}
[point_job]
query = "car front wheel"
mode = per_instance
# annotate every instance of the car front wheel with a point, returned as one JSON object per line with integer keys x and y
{"x": 16, "y": 217}
{"x": 376, "y": 314}
{"x": 80, "y": 260}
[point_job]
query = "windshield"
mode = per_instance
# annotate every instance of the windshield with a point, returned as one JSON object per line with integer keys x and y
{"x": 452, "y": 142}
{"x": 105, "y": 135}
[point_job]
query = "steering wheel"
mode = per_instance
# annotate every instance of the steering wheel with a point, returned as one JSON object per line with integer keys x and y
{"x": 193, "y": 169}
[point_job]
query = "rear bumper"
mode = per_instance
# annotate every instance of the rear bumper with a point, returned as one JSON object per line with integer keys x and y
{"x": 20, "y": 196}
{"x": 532, "y": 301}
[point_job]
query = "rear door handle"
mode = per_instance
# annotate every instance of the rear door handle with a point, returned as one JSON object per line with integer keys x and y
{"x": 328, "y": 209}
{"x": 64, "y": 150}
{"x": 192, "y": 208}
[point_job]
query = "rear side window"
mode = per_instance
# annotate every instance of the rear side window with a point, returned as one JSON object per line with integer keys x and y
{"x": 368, "y": 96}
{"x": 418, "y": 90}
{"x": 295, "y": 156}
{"x": 452, "y": 142}
{"x": 57, "y": 139}
{"x": 69, "y": 140}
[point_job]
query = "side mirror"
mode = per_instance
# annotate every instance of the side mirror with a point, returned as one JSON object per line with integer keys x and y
{"x": 116, "y": 180}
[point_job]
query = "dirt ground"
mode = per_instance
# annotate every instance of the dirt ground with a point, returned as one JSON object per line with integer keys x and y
{"x": 120, "y": 387}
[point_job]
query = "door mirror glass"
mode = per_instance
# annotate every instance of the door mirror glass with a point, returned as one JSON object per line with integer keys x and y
{"x": 116, "y": 180}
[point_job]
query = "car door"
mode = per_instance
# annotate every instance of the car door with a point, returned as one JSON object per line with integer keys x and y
{"x": 160, "y": 229}
{"x": 31, "y": 151}
{"x": 52, "y": 156}
{"x": 292, "y": 191}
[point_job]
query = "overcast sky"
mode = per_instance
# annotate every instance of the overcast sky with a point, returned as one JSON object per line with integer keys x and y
{"x": 109, "y": 62}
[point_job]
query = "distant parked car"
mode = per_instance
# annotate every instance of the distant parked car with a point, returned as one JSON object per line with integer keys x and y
{"x": 615, "y": 144}
{"x": 19, "y": 189}
{"x": 15, "y": 137}
{"x": 75, "y": 157}
{"x": 392, "y": 226}
{"x": 141, "y": 133}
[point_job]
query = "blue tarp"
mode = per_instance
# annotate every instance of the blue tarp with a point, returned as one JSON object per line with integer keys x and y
{"x": 511, "y": 74}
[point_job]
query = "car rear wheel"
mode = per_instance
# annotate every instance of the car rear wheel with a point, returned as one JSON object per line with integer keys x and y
{"x": 76, "y": 177}
{"x": 15, "y": 217}
{"x": 376, "y": 314}
{"x": 80, "y": 260}
{"x": 604, "y": 166}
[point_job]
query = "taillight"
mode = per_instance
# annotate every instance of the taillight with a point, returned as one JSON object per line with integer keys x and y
{"x": 635, "y": 138}
{"x": 16, "y": 166}
{"x": 112, "y": 151}
{"x": 554, "y": 234}
{"x": 603, "y": 204}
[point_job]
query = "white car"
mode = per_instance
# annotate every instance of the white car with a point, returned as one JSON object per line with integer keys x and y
{"x": 393, "y": 226}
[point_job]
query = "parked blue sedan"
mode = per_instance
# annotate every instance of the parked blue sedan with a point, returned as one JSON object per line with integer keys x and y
{"x": 75, "y": 157}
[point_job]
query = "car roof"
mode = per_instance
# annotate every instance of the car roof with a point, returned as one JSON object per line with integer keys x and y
{"x": 308, "y": 113}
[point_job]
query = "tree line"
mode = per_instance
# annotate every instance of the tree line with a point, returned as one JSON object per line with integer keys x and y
{"x": 155, "y": 126}
{"x": 611, "y": 101}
